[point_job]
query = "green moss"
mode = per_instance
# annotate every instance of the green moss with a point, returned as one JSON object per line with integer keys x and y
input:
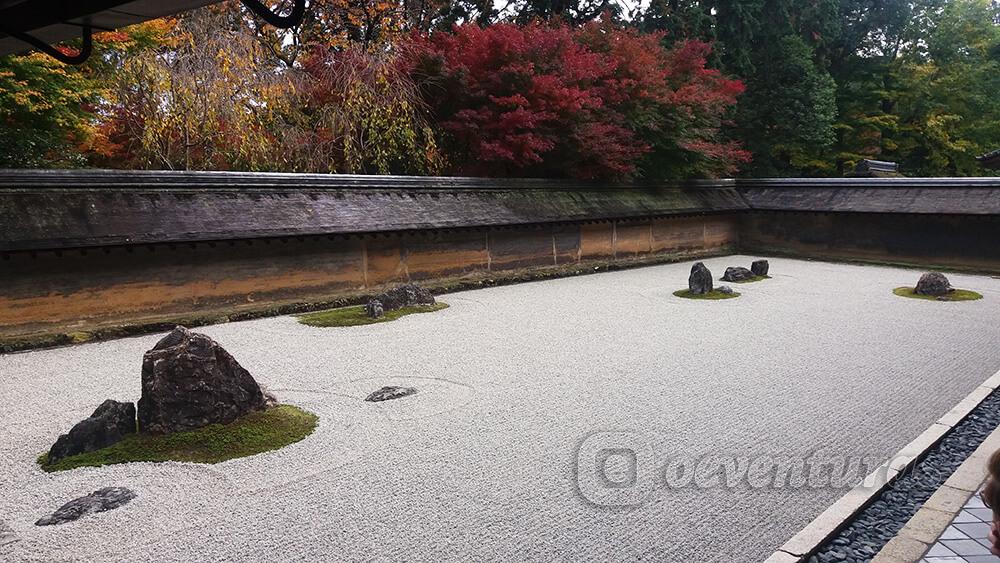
{"x": 252, "y": 434}
{"x": 754, "y": 279}
{"x": 713, "y": 295}
{"x": 354, "y": 316}
{"x": 957, "y": 295}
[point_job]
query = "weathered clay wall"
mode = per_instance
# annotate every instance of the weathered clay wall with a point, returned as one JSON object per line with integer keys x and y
{"x": 82, "y": 288}
{"x": 970, "y": 242}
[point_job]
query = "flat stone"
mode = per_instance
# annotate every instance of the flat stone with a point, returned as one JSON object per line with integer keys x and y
{"x": 189, "y": 381}
{"x": 901, "y": 549}
{"x": 760, "y": 267}
{"x": 390, "y": 392}
{"x": 700, "y": 280}
{"x": 737, "y": 274}
{"x": 103, "y": 500}
{"x": 933, "y": 283}
{"x": 948, "y": 499}
{"x": 927, "y": 525}
{"x": 725, "y": 289}
{"x": 111, "y": 422}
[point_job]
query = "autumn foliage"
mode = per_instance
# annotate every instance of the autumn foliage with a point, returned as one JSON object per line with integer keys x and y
{"x": 353, "y": 94}
{"x": 595, "y": 101}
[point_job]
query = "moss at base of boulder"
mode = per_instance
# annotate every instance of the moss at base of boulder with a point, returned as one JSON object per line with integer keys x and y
{"x": 956, "y": 295}
{"x": 354, "y": 316}
{"x": 252, "y": 434}
{"x": 713, "y": 295}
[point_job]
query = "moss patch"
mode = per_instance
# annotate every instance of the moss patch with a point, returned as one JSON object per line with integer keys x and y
{"x": 354, "y": 316}
{"x": 713, "y": 295}
{"x": 753, "y": 279}
{"x": 957, "y": 295}
{"x": 252, "y": 434}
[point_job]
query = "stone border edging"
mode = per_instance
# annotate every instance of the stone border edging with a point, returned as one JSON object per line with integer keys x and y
{"x": 831, "y": 520}
{"x": 924, "y": 528}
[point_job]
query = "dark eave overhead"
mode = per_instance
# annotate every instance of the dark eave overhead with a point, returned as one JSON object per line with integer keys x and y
{"x": 53, "y": 21}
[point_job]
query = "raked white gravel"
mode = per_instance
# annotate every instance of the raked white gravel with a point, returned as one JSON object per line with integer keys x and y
{"x": 480, "y": 463}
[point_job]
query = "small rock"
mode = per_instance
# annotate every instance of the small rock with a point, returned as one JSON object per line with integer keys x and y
{"x": 759, "y": 267}
{"x": 189, "y": 381}
{"x": 111, "y": 422}
{"x": 737, "y": 274}
{"x": 725, "y": 289}
{"x": 933, "y": 283}
{"x": 700, "y": 280}
{"x": 6, "y": 534}
{"x": 403, "y": 296}
{"x": 103, "y": 500}
{"x": 390, "y": 392}
{"x": 374, "y": 309}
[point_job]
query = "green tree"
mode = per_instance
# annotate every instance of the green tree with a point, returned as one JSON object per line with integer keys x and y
{"x": 44, "y": 112}
{"x": 946, "y": 98}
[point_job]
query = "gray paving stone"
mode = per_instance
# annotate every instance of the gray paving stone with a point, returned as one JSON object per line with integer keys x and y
{"x": 984, "y": 514}
{"x": 939, "y": 550}
{"x": 953, "y": 533}
{"x": 976, "y": 531}
{"x": 966, "y": 547}
{"x": 965, "y": 516}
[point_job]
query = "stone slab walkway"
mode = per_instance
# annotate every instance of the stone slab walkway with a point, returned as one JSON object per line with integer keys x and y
{"x": 964, "y": 540}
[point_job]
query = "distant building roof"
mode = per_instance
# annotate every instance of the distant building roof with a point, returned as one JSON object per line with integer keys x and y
{"x": 990, "y": 160}
{"x": 868, "y": 168}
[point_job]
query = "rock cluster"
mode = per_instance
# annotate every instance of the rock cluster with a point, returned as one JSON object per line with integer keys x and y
{"x": 759, "y": 267}
{"x": 700, "y": 280}
{"x": 397, "y": 298}
{"x": 189, "y": 381}
{"x": 103, "y": 500}
{"x": 737, "y": 274}
{"x": 389, "y": 392}
{"x": 933, "y": 283}
{"x": 111, "y": 422}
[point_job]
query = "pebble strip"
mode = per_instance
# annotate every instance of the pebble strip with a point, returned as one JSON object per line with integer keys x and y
{"x": 874, "y": 526}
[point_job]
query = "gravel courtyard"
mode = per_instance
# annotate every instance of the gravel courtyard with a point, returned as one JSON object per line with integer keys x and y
{"x": 481, "y": 463}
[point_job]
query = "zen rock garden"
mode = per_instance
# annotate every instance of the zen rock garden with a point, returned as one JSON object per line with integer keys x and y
{"x": 390, "y": 305}
{"x": 408, "y": 295}
{"x": 701, "y": 285}
{"x": 935, "y": 286}
{"x": 195, "y": 393}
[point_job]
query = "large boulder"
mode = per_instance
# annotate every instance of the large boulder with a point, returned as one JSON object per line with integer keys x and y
{"x": 933, "y": 283}
{"x": 108, "y": 498}
{"x": 737, "y": 274}
{"x": 700, "y": 280}
{"x": 759, "y": 267}
{"x": 111, "y": 422}
{"x": 189, "y": 381}
{"x": 404, "y": 296}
